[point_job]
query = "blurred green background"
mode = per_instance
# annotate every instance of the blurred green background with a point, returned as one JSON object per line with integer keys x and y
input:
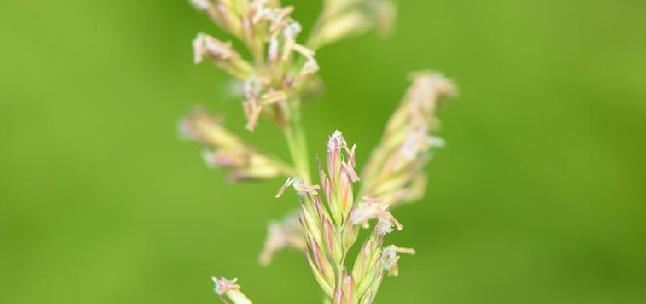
{"x": 539, "y": 197}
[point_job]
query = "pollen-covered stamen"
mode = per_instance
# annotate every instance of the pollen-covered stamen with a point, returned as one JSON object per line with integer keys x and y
{"x": 304, "y": 189}
{"x": 370, "y": 209}
{"x": 367, "y": 209}
{"x": 389, "y": 258}
{"x": 385, "y": 223}
{"x": 416, "y": 142}
{"x": 361, "y": 214}
{"x": 204, "y": 45}
{"x": 310, "y": 67}
{"x": 301, "y": 187}
{"x": 252, "y": 86}
{"x": 223, "y": 285}
{"x": 292, "y": 30}
{"x": 336, "y": 142}
{"x": 334, "y": 145}
{"x": 261, "y": 11}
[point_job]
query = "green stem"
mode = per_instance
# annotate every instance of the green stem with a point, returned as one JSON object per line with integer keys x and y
{"x": 296, "y": 142}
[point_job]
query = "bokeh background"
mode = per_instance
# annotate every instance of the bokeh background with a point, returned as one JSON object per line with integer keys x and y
{"x": 539, "y": 197}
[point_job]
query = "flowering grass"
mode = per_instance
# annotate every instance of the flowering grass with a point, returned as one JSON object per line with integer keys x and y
{"x": 340, "y": 201}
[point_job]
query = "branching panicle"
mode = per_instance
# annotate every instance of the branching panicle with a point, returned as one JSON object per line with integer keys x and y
{"x": 279, "y": 73}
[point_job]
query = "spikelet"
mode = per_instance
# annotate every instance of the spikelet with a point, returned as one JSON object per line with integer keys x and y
{"x": 394, "y": 173}
{"x": 225, "y": 150}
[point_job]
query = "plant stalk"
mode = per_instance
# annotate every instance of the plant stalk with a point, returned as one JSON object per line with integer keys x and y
{"x": 296, "y": 142}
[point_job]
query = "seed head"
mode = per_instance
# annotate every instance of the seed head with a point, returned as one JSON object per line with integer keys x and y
{"x": 292, "y": 30}
{"x": 394, "y": 171}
